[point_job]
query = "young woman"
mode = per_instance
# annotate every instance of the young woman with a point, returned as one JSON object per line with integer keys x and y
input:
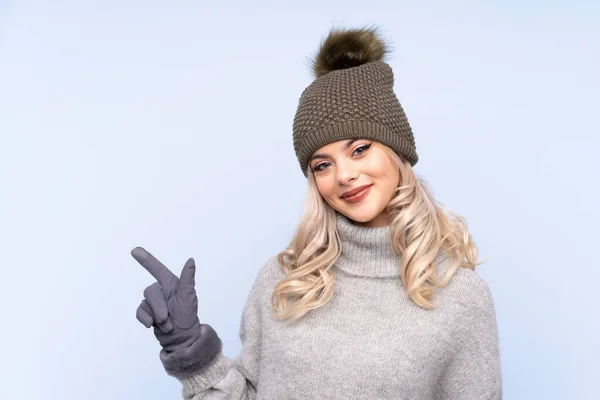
{"x": 375, "y": 297}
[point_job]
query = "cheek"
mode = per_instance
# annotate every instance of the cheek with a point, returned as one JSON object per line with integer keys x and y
{"x": 383, "y": 169}
{"x": 325, "y": 187}
{"x": 388, "y": 174}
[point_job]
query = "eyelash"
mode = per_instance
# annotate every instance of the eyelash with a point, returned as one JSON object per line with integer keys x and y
{"x": 361, "y": 147}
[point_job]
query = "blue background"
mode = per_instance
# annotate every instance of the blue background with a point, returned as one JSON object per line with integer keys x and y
{"x": 169, "y": 125}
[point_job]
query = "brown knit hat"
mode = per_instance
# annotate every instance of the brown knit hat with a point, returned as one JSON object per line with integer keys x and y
{"x": 351, "y": 97}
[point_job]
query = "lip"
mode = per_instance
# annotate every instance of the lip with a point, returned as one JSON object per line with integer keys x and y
{"x": 354, "y": 191}
{"x": 356, "y": 195}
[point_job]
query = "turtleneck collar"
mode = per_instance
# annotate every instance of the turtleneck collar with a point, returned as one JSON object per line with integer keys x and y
{"x": 366, "y": 251}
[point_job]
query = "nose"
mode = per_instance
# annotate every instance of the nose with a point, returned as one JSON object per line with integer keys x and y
{"x": 346, "y": 174}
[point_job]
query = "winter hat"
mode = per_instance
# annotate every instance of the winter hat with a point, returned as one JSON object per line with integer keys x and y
{"x": 351, "y": 97}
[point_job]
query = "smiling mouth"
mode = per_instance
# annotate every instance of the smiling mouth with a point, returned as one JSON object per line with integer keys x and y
{"x": 355, "y": 198}
{"x": 354, "y": 191}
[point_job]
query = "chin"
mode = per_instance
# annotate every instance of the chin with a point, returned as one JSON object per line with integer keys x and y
{"x": 362, "y": 216}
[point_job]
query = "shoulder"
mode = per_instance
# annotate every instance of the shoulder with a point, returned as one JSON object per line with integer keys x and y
{"x": 469, "y": 299}
{"x": 466, "y": 288}
{"x": 261, "y": 289}
{"x": 271, "y": 269}
{"x": 469, "y": 288}
{"x": 269, "y": 274}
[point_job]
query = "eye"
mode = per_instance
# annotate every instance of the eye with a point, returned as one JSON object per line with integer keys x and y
{"x": 362, "y": 149}
{"x": 319, "y": 167}
{"x": 358, "y": 151}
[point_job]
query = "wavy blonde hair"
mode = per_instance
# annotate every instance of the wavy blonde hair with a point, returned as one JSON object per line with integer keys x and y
{"x": 419, "y": 230}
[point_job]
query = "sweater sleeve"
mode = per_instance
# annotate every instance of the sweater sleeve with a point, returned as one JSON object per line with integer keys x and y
{"x": 222, "y": 377}
{"x": 474, "y": 371}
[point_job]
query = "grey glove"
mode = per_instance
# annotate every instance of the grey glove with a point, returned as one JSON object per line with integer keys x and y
{"x": 170, "y": 305}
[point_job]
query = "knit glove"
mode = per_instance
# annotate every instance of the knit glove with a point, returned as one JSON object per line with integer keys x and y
{"x": 170, "y": 305}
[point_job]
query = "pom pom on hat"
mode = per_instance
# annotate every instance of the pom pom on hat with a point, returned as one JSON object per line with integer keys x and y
{"x": 347, "y": 48}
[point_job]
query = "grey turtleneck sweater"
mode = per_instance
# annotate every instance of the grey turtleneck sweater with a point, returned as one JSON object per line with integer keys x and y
{"x": 369, "y": 342}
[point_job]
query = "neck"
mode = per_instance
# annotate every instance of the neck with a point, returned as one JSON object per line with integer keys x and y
{"x": 366, "y": 251}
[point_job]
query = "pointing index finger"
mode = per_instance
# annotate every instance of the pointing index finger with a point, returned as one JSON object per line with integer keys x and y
{"x": 157, "y": 269}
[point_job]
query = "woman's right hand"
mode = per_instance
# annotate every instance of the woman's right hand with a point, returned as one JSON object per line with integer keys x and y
{"x": 170, "y": 305}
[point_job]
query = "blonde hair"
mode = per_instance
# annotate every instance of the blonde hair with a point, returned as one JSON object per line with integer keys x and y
{"x": 419, "y": 230}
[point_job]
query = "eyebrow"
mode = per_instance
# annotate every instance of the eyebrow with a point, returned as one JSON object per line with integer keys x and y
{"x": 321, "y": 156}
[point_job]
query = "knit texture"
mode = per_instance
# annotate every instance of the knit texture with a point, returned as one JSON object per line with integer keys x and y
{"x": 369, "y": 342}
{"x": 356, "y": 102}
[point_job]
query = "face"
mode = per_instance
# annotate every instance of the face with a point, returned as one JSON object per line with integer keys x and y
{"x": 345, "y": 165}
